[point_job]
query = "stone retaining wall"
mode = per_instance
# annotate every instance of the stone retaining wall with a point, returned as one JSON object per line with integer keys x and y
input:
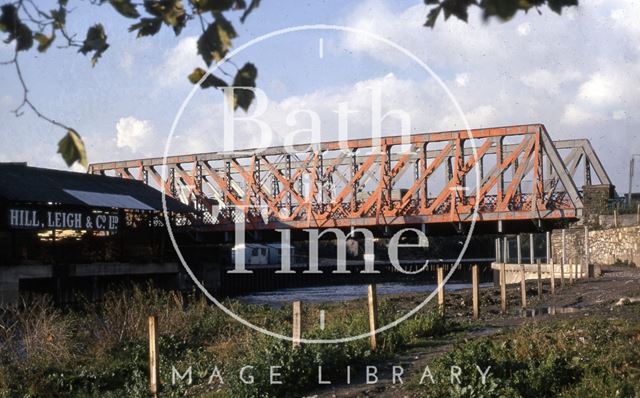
{"x": 606, "y": 246}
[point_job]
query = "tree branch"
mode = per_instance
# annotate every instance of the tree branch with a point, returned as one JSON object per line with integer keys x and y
{"x": 27, "y": 102}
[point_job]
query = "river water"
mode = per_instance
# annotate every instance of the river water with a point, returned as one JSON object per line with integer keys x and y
{"x": 341, "y": 293}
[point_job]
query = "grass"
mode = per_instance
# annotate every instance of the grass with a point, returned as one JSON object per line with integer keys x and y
{"x": 583, "y": 357}
{"x": 102, "y": 349}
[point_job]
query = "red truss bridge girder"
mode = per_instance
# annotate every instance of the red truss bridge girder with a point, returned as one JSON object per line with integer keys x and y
{"x": 511, "y": 173}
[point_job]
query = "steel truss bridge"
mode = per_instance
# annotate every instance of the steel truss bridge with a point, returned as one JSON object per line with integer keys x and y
{"x": 511, "y": 173}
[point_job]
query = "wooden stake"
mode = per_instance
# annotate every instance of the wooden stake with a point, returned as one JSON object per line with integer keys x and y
{"x": 586, "y": 252}
{"x": 548, "y": 239}
{"x": 539, "y": 278}
{"x": 553, "y": 277}
{"x": 373, "y": 315}
{"x": 531, "y": 251}
{"x": 503, "y": 288}
{"x": 475, "y": 291}
{"x": 576, "y": 263}
{"x": 440, "y": 272}
{"x": 563, "y": 260}
{"x": 153, "y": 355}
{"x": 297, "y": 323}
{"x": 523, "y": 282}
{"x": 505, "y": 250}
{"x": 523, "y": 286}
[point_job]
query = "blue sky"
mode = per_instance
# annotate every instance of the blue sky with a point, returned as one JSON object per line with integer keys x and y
{"x": 576, "y": 73}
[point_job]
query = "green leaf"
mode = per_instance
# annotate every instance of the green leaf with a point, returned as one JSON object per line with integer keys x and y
{"x": 209, "y": 81}
{"x": 24, "y": 38}
{"x": 44, "y": 41}
{"x": 214, "y": 43}
{"x": 503, "y": 9}
{"x": 557, "y": 5}
{"x": 59, "y": 17}
{"x": 246, "y": 77}
{"x": 9, "y": 18}
{"x": 18, "y": 31}
{"x": 147, "y": 26}
{"x": 212, "y": 5}
{"x": 171, "y": 12}
{"x": 72, "y": 149}
{"x": 125, "y": 8}
{"x": 95, "y": 41}
{"x": 432, "y": 17}
{"x": 252, "y": 6}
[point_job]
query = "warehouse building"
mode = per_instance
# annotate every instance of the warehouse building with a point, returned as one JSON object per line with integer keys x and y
{"x": 64, "y": 232}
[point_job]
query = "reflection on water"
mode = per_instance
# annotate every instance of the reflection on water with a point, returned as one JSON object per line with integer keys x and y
{"x": 340, "y": 293}
{"x": 530, "y": 313}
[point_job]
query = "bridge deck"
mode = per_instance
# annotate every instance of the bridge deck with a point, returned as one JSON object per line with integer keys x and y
{"x": 491, "y": 174}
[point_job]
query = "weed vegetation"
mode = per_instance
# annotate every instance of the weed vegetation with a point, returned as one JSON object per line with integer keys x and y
{"x": 102, "y": 349}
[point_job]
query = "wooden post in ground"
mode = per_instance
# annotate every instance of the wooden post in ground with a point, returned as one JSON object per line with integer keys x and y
{"x": 505, "y": 250}
{"x": 539, "y": 278}
{"x": 576, "y": 270}
{"x": 553, "y": 276}
{"x": 571, "y": 272}
{"x": 548, "y": 242}
{"x": 519, "y": 249}
{"x": 503, "y": 288}
{"x": 475, "y": 291}
{"x": 373, "y": 315}
{"x": 586, "y": 252}
{"x": 615, "y": 218}
{"x": 523, "y": 281}
{"x": 564, "y": 258}
{"x": 531, "y": 251}
{"x": 153, "y": 355}
{"x": 523, "y": 286}
{"x": 440, "y": 272}
{"x": 296, "y": 324}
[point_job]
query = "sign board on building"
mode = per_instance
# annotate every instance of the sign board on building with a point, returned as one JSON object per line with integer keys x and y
{"x": 62, "y": 219}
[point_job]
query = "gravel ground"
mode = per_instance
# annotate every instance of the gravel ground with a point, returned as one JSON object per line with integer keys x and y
{"x": 584, "y": 297}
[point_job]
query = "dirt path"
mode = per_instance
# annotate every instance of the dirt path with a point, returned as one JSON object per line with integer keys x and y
{"x": 583, "y": 297}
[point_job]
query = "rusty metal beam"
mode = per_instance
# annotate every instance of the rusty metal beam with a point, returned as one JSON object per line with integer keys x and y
{"x": 322, "y": 187}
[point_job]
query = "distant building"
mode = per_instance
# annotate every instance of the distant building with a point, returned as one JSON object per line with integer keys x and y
{"x": 62, "y": 231}
{"x": 263, "y": 254}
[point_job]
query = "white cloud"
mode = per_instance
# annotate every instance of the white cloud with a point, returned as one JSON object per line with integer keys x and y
{"x": 126, "y": 62}
{"x": 479, "y": 117}
{"x": 524, "y": 29}
{"x": 600, "y": 89}
{"x": 619, "y": 114}
{"x": 6, "y": 101}
{"x": 462, "y": 79}
{"x": 547, "y": 81}
{"x": 576, "y": 115}
{"x": 426, "y": 104}
{"x": 179, "y": 62}
{"x": 617, "y": 14}
{"x": 132, "y": 133}
{"x": 574, "y": 72}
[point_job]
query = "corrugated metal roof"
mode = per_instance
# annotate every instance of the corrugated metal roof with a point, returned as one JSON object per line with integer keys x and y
{"x": 21, "y": 183}
{"x": 99, "y": 199}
